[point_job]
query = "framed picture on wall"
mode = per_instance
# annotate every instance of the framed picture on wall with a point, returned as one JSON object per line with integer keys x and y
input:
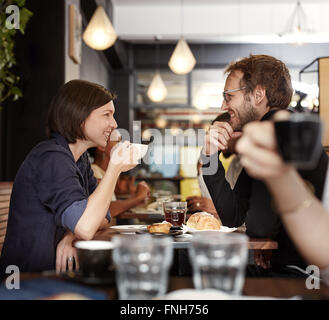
{"x": 75, "y": 30}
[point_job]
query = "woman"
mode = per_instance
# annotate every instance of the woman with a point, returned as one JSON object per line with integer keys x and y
{"x": 305, "y": 218}
{"x": 54, "y": 190}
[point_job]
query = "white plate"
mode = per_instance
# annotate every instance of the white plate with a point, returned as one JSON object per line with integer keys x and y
{"x": 131, "y": 228}
{"x": 193, "y": 294}
{"x": 213, "y": 294}
{"x": 222, "y": 229}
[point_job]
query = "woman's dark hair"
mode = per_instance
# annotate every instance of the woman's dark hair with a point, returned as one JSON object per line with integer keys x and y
{"x": 270, "y": 73}
{"x": 71, "y": 106}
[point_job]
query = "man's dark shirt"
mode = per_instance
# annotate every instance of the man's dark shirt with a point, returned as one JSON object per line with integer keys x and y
{"x": 251, "y": 202}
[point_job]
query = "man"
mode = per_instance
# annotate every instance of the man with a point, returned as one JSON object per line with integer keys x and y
{"x": 256, "y": 87}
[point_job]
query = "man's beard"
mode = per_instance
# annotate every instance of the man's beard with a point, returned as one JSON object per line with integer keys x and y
{"x": 249, "y": 114}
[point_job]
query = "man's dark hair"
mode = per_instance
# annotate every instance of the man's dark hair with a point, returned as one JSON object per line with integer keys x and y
{"x": 71, "y": 106}
{"x": 270, "y": 73}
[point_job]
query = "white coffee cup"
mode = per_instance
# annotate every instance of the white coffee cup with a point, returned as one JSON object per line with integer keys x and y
{"x": 140, "y": 150}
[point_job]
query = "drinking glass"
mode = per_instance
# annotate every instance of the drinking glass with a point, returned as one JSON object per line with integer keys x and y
{"x": 219, "y": 261}
{"x": 142, "y": 264}
{"x": 175, "y": 212}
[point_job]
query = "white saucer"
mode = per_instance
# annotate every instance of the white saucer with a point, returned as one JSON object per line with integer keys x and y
{"x": 128, "y": 228}
{"x": 222, "y": 229}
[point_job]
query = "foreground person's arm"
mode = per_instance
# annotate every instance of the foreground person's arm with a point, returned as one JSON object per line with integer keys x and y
{"x": 306, "y": 220}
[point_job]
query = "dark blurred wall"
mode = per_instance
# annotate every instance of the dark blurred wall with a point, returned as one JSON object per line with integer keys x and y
{"x": 40, "y": 64}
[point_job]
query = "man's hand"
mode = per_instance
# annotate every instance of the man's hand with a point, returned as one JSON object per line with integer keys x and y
{"x": 219, "y": 138}
{"x": 201, "y": 204}
{"x": 263, "y": 258}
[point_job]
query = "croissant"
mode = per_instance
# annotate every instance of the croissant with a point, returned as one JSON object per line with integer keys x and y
{"x": 159, "y": 227}
{"x": 203, "y": 221}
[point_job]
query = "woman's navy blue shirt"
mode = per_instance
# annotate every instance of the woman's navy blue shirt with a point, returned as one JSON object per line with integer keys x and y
{"x": 49, "y": 195}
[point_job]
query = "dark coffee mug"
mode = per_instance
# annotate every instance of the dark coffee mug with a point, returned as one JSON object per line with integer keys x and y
{"x": 299, "y": 139}
{"x": 95, "y": 258}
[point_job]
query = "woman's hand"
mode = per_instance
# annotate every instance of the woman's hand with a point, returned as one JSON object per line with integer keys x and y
{"x": 66, "y": 254}
{"x": 123, "y": 157}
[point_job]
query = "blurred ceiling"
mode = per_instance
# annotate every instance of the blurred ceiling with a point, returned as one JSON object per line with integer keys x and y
{"x": 215, "y": 21}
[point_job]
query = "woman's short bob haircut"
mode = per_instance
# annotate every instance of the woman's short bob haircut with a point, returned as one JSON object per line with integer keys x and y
{"x": 71, "y": 106}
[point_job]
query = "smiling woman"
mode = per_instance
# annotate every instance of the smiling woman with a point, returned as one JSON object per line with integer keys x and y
{"x": 99, "y": 125}
{"x": 55, "y": 193}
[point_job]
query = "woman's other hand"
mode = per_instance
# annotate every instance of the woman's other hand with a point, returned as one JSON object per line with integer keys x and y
{"x": 66, "y": 254}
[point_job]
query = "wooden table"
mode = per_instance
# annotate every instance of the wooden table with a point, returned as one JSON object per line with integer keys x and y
{"x": 145, "y": 215}
{"x": 254, "y": 287}
{"x": 182, "y": 264}
{"x": 254, "y": 243}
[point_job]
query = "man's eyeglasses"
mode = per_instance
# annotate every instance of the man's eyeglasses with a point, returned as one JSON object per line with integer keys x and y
{"x": 226, "y": 96}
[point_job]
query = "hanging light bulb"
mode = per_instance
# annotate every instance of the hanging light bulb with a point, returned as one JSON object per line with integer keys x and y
{"x": 157, "y": 90}
{"x": 182, "y": 60}
{"x": 297, "y": 28}
{"x": 161, "y": 122}
{"x": 200, "y": 100}
{"x": 99, "y": 34}
{"x": 196, "y": 118}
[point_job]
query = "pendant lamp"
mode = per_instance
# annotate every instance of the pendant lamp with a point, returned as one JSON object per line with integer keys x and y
{"x": 157, "y": 90}
{"x": 297, "y": 27}
{"x": 99, "y": 34}
{"x": 182, "y": 60}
